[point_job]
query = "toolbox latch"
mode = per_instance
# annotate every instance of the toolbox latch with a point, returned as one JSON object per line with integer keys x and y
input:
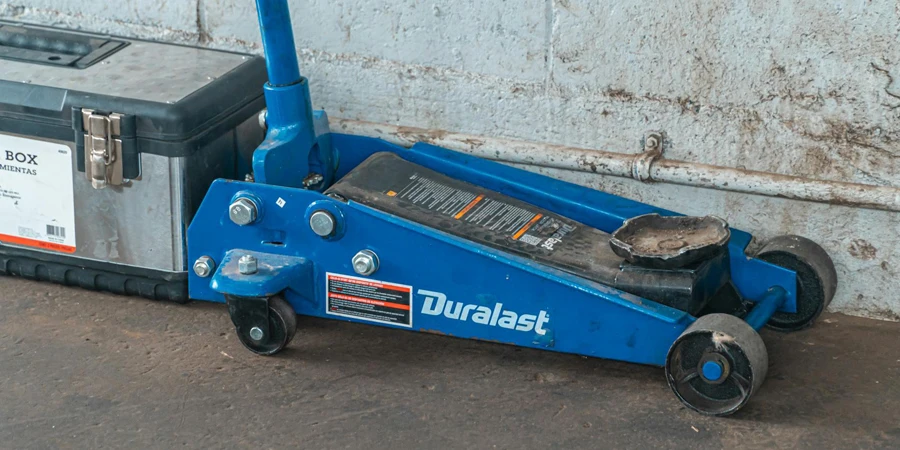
{"x": 103, "y": 148}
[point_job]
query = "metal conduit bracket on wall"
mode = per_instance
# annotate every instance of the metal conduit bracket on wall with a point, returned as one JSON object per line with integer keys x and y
{"x": 599, "y": 162}
{"x": 653, "y": 148}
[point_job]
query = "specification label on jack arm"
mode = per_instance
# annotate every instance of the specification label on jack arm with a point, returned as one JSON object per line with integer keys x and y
{"x": 37, "y": 204}
{"x": 371, "y": 300}
{"x": 515, "y": 222}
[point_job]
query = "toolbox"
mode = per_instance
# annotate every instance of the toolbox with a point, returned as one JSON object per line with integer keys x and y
{"x": 107, "y": 147}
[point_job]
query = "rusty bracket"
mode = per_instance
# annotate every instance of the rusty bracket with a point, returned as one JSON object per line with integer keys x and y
{"x": 653, "y": 148}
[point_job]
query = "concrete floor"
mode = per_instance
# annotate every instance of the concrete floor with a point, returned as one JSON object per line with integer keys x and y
{"x": 80, "y": 369}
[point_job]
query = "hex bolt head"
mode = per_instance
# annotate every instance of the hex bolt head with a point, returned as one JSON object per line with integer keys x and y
{"x": 248, "y": 265}
{"x": 256, "y": 333}
{"x": 322, "y": 223}
{"x": 262, "y": 119}
{"x": 204, "y": 266}
{"x": 243, "y": 211}
{"x": 365, "y": 262}
{"x": 653, "y": 142}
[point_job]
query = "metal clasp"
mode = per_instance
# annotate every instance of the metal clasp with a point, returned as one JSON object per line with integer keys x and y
{"x": 102, "y": 148}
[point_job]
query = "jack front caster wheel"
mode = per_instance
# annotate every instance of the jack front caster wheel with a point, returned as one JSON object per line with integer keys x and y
{"x": 248, "y": 316}
{"x": 816, "y": 279}
{"x": 717, "y": 364}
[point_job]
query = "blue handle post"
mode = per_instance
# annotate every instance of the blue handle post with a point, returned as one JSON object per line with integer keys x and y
{"x": 298, "y": 143}
{"x": 278, "y": 42}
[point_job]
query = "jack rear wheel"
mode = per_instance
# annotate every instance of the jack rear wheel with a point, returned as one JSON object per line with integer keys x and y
{"x": 282, "y": 327}
{"x": 816, "y": 279}
{"x": 717, "y": 364}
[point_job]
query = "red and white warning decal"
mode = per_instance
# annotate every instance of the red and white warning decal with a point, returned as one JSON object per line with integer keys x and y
{"x": 367, "y": 299}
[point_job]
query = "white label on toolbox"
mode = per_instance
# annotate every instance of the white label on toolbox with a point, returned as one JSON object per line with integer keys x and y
{"x": 37, "y": 203}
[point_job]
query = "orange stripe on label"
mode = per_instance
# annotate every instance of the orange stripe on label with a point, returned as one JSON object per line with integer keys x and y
{"x": 375, "y": 284}
{"x": 527, "y": 226}
{"x": 36, "y": 243}
{"x": 468, "y": 207}
{"x": 369, "y": 301}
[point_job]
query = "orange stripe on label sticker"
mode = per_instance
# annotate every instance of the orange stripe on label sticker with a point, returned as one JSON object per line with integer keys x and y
{"x": 368, "y": 301}
{"x": 36, "y": 243}
{"x": 468, "y": 207}
{"x": 375, "y": 284}
{"x": 527, "y": 226}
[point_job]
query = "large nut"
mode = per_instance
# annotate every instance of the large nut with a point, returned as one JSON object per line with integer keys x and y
{"x": 365, "y": 262}
{"x": 248, "y": 265}
{"x": 204, "y": 266}
{"x": 243, "y": 211}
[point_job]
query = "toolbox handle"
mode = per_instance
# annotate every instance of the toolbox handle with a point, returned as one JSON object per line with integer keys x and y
{"x": 54, "y": 47}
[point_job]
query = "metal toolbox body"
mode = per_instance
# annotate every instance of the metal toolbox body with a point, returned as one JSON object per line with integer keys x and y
{"x": 107, "y": 147}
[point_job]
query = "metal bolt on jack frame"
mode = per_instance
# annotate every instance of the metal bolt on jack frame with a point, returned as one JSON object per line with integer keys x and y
{"x": 312, "y": 180}
{"x": 261, "y": 118}
{"x": 243, "y": 211}
{"x": 256, "y": 333}
{"x": 322, "y": 223}
{"x": 248, "y": 265}
{"x": 204, "y": 266}
{"x": 365, "y": 262}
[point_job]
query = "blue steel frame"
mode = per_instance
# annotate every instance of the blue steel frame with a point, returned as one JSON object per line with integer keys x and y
{"x": 583, "y": 317}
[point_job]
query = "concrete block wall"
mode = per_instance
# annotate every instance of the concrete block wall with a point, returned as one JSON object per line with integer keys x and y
{"x": 799, "y": 87}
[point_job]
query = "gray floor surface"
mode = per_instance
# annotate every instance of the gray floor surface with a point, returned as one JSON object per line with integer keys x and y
{"x": 80, "y": 369}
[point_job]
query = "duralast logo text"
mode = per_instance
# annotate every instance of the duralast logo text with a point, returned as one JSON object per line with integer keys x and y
{"x": 21, "y": 158}
{"x": 558, "y": 236}
{"x": 436, "y": 304}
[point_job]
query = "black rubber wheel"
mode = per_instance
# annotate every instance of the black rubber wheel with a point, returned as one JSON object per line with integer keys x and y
{"x": 282, "y": 327}
{"x": 816, "y": 279}
{"x": 717, "y": 364}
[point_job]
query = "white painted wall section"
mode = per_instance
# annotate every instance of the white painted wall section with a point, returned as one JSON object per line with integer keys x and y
{"x": 798, "y": 87}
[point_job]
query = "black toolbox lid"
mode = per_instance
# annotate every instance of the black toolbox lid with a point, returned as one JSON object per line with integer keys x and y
{"x": 175, "y": 93}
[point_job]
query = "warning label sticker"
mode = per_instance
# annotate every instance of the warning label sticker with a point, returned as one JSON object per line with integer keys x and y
{"x": 37, "y": 203}
{"x": 517, "y": 223}
{"x": 365, "y": 299}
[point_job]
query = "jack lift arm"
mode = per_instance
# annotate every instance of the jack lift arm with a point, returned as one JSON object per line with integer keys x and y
{"x": 428, "y": 239}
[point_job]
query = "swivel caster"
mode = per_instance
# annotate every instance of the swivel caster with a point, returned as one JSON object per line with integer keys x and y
{"x": 717, "y": 364}
{"x": 264, "y": 325}
{"x": 816, "y": 279}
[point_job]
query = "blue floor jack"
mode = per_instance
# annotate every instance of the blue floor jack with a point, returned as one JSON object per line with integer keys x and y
{"x": 427, "y": 239}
